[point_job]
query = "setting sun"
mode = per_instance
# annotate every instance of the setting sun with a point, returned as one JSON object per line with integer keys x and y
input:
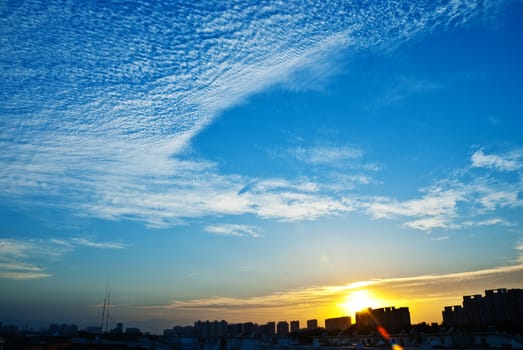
{"x": 358, "y": 300}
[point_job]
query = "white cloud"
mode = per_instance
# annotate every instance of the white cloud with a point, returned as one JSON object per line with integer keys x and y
{"x": 429, "y": 223}
{"x": 14, "y": 254}
{"x": 15, "y": 248}
{"x": 440, "y": 238}
{"x": 436, "y": 209}
{"x": 27, "y": 258}
{"x": 470, "y": 196}
{"x": 234, "y": 230}
{"x": 488, "y": 222}
{"x": 507, "y": 162}
{"x": 106, "y": 135}
{"x": 100, "y": 245}
{"x": 324, "y": 154}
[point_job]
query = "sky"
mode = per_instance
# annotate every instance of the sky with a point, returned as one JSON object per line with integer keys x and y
{"x": 257, "y": 160}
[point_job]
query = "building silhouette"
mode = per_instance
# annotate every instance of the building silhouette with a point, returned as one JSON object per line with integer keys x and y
{"x": 337, "y": 323}
{"x": 392, "y": 319}
{"x": 312, "y": 324}
{"x": 498, "y": 307}
{"x": 267, "y": 330}
{"x": 208, "y": 329}
{"x": 295, "y": 326}
{"x": 282, "y": 328}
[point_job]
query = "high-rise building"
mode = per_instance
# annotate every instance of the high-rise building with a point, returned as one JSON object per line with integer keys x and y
{"x": 295, "y": 326}
{"x": 337, "y": 324}
{"x": 282, "y": 328}
{"x": 312, "y": 324}
{"x": 498, "y": 306}
{"x": 392, "y": 319}
{"x": 248, "y": 328}
{"x": 267, "y": 329}
{"x": 454, "y": 316}
{"x": 209, "y": 329}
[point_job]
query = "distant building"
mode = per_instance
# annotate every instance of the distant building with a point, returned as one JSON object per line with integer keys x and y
{"x": 312, "y": 324}
{"x": 337, "y": 323}
{"x": 63, "y": 329}
{"x": 267, "y": 330}
{"x": 179, "y": 331}
{"x": 248, "y": 328}
{"x": 295, "y": 326}
{"x": 282, "y": 328}
{"x": 235, "y": 330}
{"x": 497, "y": 307}
{"x": 133, "y": 331}
{"x": 210, "y": 330}
{"x": 94, "y": 329}
{"x": 118, "y": 329}
{"x": 392, "y": 319}
{"x": 8, "y": 329}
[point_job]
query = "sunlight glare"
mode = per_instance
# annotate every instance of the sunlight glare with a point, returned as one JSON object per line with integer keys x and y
{"x": 358, "y": 300}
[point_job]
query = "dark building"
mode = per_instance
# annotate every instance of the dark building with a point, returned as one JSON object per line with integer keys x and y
{"x": 337, "y": 323}
{"x": 249, "y": 328}
{"x": 475, "y": 309}
{"x": 118, "y": 329}
{"x": 210, "y": 330}
{"x": 179, "y": 331}
{"x": 282, "y": 328}
{"x": 454, "y": 316}
{"x": 497, "y": 307}
{"x": 312, "y": 324}
{"x": 267, "y": 330}
{"x": 63, "y": 329}
{"x": 133, "y": 331}
{"x": 295, "y": 326}
{"x": 235, "y": 330}
{"x": 392, "y": 319}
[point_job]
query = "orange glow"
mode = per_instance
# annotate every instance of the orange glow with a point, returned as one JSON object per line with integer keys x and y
{"x": 386, "y": 335}
{"x": 383, "y": 332}
{"x": 358, "y": 300}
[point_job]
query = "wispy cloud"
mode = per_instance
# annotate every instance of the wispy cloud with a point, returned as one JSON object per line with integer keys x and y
{"x": 14, "y": 256}
{"x": 234, "y": 230}
{"x": 106, "y": 135}
{"x": 436, "y": 209}
{"x": 470, "y": 196}
{"x": 440, "y": 238}
{"x": 27, "y": 258}
{"x": 488, "y": 222}
{"x": 324, "y": 154}
{"x": 506, "y": 162}
{"x": 402, "y": 88}
{"x": 100, "y": 245}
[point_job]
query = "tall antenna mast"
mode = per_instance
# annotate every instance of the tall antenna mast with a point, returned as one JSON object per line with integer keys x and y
{"x": 105, "y": 310}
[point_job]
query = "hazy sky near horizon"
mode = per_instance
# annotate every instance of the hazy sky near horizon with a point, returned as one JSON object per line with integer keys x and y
{"x": 256, "y": 161}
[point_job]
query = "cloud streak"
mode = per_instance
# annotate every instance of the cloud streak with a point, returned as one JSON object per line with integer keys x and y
{"x": 470, "y": 196}
{"x": 234, "y": 230}
{"x": 412, "y": 291}
{"x": 100, "y": 120}
{"x": 25, "y": 259}
{"x": 508, "y": 162}
{"x": 99, "y": 245}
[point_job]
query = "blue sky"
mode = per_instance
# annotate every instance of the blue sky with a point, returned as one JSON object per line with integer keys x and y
{"x": 257, "y": 161}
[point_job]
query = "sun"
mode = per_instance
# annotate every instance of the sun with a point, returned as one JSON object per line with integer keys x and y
{"x": 358, "y": 300}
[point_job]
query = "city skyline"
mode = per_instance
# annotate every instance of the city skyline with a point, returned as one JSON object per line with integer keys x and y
{"x": 219, "y": 159}
{"x": 502, "y": 307}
